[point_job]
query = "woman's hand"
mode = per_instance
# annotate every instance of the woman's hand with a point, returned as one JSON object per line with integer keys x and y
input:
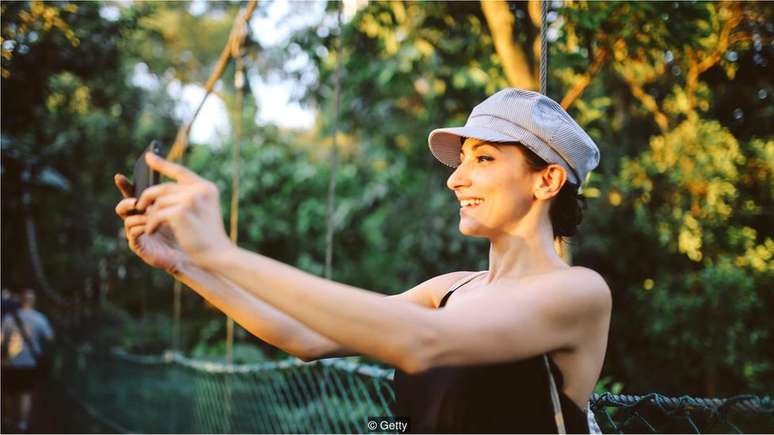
{"x": 160, "y": 249}
{"x": 190, "y": 206}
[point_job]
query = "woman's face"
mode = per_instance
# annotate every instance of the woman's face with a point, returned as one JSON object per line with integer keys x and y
{"x": 494, "y": 187}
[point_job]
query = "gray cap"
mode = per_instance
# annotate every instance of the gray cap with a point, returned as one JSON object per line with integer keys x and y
{"x": 536, "y": 121}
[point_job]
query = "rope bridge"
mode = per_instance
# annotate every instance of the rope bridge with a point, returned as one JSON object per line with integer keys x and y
{"x": 172, "y": 393}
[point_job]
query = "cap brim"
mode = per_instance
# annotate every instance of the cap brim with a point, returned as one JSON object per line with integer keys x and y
{"x": 445, "y": 143}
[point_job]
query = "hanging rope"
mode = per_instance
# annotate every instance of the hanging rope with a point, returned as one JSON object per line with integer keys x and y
{"x": 236, "y": 35}
{"x": 543, "y": 48}
{"x": 330, "y": 214}
{"x": 237, "y": 53}
{"x": 559, "y": 244}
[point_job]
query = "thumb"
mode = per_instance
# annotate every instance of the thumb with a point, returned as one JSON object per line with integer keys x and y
{"x": 124, "y": 185}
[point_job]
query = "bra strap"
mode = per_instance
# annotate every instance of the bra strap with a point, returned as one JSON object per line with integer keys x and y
{"x": 558, "y": 416}
{"x": 459, "y": 284}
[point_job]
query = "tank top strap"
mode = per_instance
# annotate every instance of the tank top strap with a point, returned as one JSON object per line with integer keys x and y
{"x": 459, "y": 284}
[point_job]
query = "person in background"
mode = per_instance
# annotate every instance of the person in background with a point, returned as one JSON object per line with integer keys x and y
{"x": 9, "y": 303}
{"x": 25, "y": 334}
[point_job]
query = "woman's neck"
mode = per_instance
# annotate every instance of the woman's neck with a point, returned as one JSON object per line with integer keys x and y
{"x": 526, "y": 250}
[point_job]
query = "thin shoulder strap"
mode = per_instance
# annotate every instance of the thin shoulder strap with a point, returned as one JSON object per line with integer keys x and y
{"x": 558, "y": 416}
{"x": 460, "y": 283}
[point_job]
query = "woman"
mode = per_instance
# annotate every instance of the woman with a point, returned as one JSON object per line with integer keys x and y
{"x": 477, "y": 364}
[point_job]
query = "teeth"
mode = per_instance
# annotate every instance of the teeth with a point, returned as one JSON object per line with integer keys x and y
{"x": 469, "y": 202}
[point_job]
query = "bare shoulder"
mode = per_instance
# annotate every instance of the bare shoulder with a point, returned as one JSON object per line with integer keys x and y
{"x": 574, "y": 289}
{"x": 593, "y": 281}
{"x": 583, "y": 284}
{"x": 430, "y": 292}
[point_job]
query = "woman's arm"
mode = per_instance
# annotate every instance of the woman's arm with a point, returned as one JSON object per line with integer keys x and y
{"x": 280, "y": 330}
{"x": 161, "y": 250}
{"x": 388, "y": 329}
{"x": 257, "y": 317}
{"x": 508, "y": 322}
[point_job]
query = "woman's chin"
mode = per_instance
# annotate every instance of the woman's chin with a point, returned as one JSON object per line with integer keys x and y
{"x": 471, "y": 230}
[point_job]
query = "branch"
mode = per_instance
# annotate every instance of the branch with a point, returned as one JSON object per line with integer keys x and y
{"x": 649, "y": 103}
{"x": 515, "y": 65}
{"x": 697, "y": 67}
{"x": 235, "y": 38}
{"x": 635, "y": 86}
{"x": 600, "y": 57}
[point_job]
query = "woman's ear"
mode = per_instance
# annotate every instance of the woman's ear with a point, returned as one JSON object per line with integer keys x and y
{"x": 549, "y": 182}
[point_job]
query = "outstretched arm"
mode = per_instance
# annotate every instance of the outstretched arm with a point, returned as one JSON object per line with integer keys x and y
{"x": 386, "y": 328}
{"x": 161, "y": 250}
{"x": 257, "y": 317}
{"x": 261, "y": 319}
{"x": 279, "y": 329}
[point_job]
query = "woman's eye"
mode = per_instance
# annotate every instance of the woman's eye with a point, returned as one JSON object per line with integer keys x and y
{"x": 479, "y": 159}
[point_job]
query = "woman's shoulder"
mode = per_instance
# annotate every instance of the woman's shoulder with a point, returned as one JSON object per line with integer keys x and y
{"x": 587, "y": 276}
{"x": 576, "y": 283}
{"x": 594, "y": 279}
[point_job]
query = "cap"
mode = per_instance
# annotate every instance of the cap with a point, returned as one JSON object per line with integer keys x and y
{"x": 531, "y": 118}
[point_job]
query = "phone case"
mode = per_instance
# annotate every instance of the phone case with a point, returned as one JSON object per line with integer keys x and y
{"x": 144, "y": 176}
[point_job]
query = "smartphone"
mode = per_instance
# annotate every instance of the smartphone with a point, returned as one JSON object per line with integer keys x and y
{"x": 144, "y": 176}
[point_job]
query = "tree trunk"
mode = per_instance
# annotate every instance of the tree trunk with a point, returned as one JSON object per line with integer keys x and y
{"x": 515, "y": 64}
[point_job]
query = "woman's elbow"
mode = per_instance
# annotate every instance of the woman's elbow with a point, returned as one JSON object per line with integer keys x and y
{"x": 303, "y": 352}
{"x": 420, "y": 355}
{"x": 309, "y": 351}
{"x": 307, "y": 358}
{"x": 413, "y": 365}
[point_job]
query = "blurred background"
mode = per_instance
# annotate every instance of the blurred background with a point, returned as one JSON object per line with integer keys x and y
{"x": 677, "y": 95}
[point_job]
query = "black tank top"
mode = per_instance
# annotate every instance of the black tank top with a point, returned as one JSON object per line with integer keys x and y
{"x": 510, "y": 397}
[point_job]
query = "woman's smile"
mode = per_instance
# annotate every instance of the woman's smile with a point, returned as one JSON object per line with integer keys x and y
{"x": 469, "y": 203}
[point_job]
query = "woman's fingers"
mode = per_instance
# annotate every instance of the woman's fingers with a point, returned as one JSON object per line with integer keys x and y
{"x": 159, "y": 217}
{"x": 135, "y": 220}
{"x": 171, "y": 170}
{"x": 151, "y": 194}
{"x": 136, "y": 231}
{"x": 125, "y": 206}
{"x": 170, "y": 200}
{"x": 124, "y": 185}
{"x": 175, "y": 201}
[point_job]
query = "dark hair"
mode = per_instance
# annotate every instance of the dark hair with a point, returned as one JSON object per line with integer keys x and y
{"x": 566, "y": 210}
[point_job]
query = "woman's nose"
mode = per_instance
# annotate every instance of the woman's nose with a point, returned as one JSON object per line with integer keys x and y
{"x": 459, "y": 178}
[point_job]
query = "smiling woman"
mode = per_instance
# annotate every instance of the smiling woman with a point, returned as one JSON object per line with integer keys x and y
{"x": 520, "y": 346}
{"x": 565, "y": 211}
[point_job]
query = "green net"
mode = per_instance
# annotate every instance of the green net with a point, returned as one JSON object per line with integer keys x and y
{"x": 174, "y": 394}
{"x": 655, "y": 413}
{"x": 171, "y": 393}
